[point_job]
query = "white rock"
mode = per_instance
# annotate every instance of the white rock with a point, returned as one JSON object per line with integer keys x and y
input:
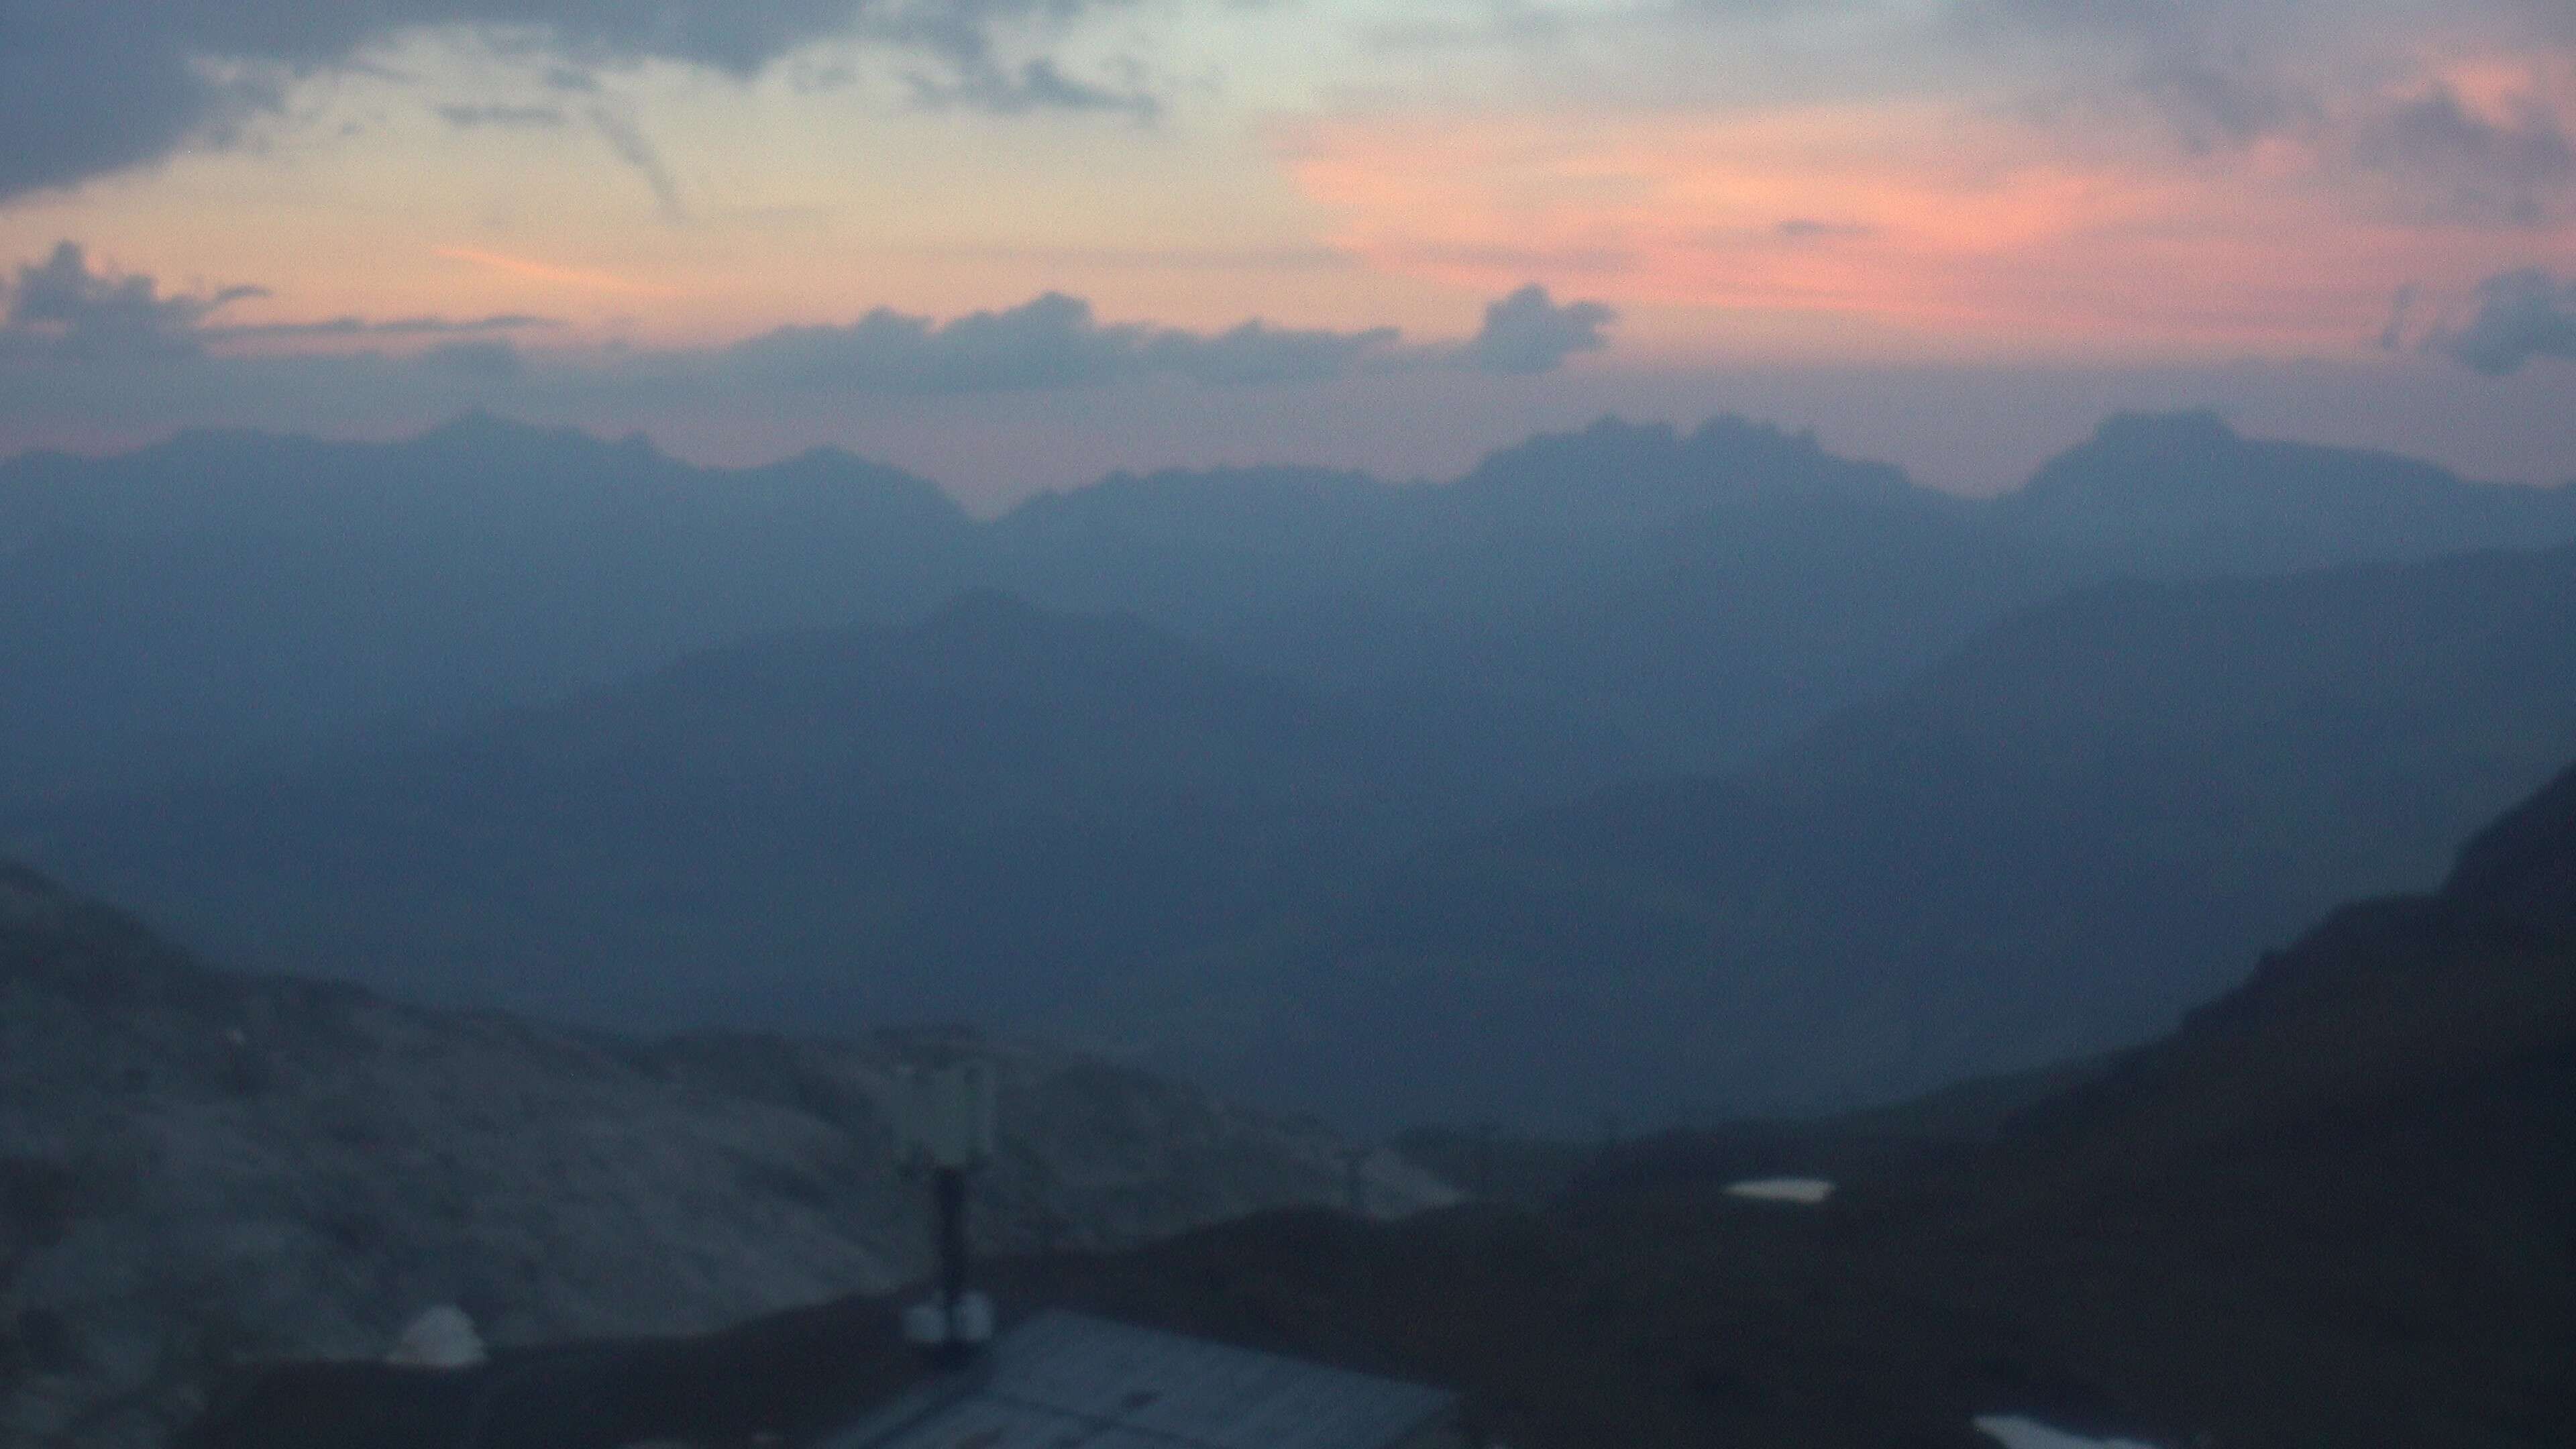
{"x": 442, "y": 1338}
{"x": 1807, "y": 1190}
{"x": 2014, "y": 1432}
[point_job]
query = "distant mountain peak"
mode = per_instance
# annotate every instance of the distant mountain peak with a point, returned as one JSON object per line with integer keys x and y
{"x": 2136, "y": 455}
{"x": 2186, "y": 491}
{"x": 479, "y": 428}
{"x": 2186, "y": 427}
{"x": 1623, "y": 473}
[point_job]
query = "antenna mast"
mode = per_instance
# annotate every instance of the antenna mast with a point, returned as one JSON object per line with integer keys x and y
{"x": 944, "y": 1121}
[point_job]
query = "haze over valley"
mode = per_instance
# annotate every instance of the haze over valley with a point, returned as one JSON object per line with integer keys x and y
{"x": 1659, "y": 775}
{"x": 1321, "y": 724}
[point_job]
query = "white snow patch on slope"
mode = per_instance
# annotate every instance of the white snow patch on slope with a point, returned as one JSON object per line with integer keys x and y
{"x": 2014, "y": 1432}
{"x": 1808, "y": 1190}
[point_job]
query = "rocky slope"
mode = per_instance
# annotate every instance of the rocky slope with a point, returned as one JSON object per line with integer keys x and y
{"x": 2332, "y": 1208}
{"x": 198, "y": 1168}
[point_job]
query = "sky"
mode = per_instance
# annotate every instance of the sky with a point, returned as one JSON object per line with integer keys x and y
{"x": 1016, "y": 242}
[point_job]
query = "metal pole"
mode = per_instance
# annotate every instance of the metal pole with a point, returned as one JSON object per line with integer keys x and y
{"x": 950, "y": 1187}
{"x": 948, "y": 1192}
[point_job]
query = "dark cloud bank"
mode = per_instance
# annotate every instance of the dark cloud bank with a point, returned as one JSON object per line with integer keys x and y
{"x": 62, "y": 311}
{"x": 1055, "y": 341}
{"x": 2521, "y": 316}
{"x": 101, "y": 85}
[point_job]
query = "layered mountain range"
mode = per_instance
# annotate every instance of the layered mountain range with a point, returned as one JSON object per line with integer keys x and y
{"x": 1635, "y": 772}
{"x": 231, "y": 599}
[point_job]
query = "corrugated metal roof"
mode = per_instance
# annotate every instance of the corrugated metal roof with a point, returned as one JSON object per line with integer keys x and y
{"x": 1069, "y": 1381}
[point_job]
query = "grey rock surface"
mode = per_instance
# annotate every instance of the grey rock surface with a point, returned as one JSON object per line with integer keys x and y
{"x": 201, "y": 1169}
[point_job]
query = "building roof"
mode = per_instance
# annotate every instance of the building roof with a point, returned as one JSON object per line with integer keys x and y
{"x": 1070, "y": 1381}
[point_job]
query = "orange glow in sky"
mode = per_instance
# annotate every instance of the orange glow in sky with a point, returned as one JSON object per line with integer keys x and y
{"x": 1725, "y": 186}
{"x": 582, "y": 278}
{"x": 1957, "y": 232}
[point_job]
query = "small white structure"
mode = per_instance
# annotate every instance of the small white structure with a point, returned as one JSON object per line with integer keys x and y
{"x": 2015, "y": 1432}
{"x": 441, "y": 1338}
{"x": 1806, "y": 1191}
{"x": 943, "y": 1116}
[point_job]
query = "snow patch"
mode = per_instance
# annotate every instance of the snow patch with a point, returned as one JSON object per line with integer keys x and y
{"x": 1808, "y": 1190}
{"x": 2014, "y": 1432}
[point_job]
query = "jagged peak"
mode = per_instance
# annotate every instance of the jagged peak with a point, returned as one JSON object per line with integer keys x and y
{"x": 482, "y": 428}
{"x": 1653, "y": 467}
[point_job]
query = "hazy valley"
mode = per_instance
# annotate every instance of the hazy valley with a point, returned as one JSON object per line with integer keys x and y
{"x": 1636, "y": 773}
{"x": 1678, "y": 807}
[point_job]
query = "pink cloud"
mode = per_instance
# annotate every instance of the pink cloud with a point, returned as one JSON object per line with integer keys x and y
{"x": 1961, "y": 228}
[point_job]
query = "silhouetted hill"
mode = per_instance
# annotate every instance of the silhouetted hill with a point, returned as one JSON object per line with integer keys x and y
{"x": 1640, "y": 599}
{"x": 2332, "y": 1209}
{"x": 1635, "y": 598}
{"x": 1196, "y": 550}
{"x": 315, "y": 638}
{"x": 994, "y": 813}
{"x": 2386, "y": 1006}
{"x": 2090, "y": 818}
{"x": 1647, "y": 602}
{"x": 1631, "y": 476}
{"x": 2182, "y": 493}
{"x": 225, "y": 597}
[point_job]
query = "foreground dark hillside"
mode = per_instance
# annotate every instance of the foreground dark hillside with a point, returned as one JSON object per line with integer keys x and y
{"x": 200, "y": 1167}
{"x": 2332, "y": 1209}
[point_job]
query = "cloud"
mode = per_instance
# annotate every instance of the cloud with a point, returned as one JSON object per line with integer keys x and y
{"x": 1036, "y": 86}
{"x": 1050, "y": 342}
{"x": 2513, "y": 168}
{"x": 59, "y": 307}
{"x": 1527, "y": 332}
{"x": 632, "y": 147}
{"x": 64, "y": 307}
{"x": 2374, "y": 88}
{"x": 103, "y": 85}
{"x": 1807, "y": 228}
{"x": 510, "y": 118}
{"x": 2223, "y": 100}
{"x": 585, "y": 278}
{"x": 1256, "y": 352}
{"x": 489, "y": 361}
{"x": 2401, "y": 309}
{"x": 388, "y": 327}
{"x": 59, "y": 310}
{"x": 2521, "y": 315}
{"x": 1056, "y": 341}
